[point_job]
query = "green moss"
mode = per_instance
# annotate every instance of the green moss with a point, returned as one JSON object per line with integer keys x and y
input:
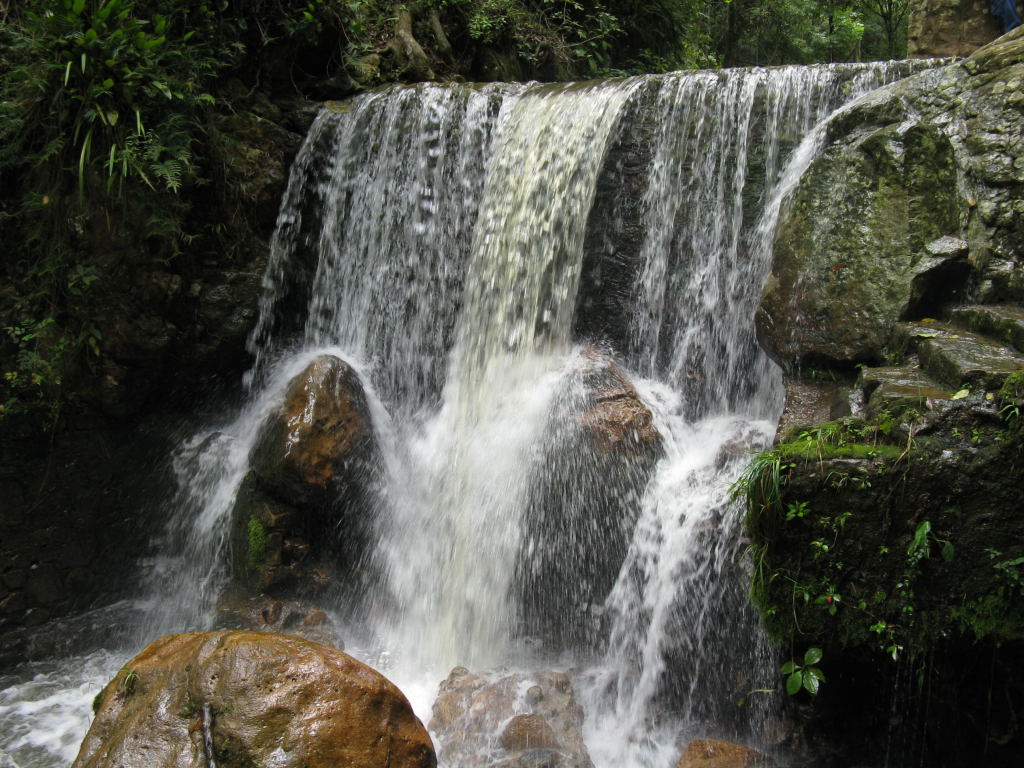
{"x": 257, "y": 546}
{"x": 810, "y": 451}
{"x": 1013, "y": 388}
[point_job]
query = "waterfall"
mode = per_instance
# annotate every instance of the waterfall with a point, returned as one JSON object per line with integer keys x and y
{"x": 484, "y": 258}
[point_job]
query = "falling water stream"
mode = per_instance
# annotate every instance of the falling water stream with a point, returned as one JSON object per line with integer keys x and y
{"x": 446, "y": 241}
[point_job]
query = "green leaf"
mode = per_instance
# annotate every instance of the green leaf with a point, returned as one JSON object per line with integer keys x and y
{"x": 961, "y": 394}
{"x": 948, "y": 552}
{"x": 78, "y": 7}
{"x": 816, "y": 673}
{"x": 788, "y": 668}
{"x": 813, "y": 656}
{"x": 793, "y": 683}
{"x": 920, "y": 541}
{"x": 811, "y": 684}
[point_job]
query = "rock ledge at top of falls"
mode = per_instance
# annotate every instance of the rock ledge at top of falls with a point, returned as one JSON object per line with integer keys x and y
{"x": 273, "y": 700}
{"x": 913, "y": 204}
{"x": 510, "y": 719}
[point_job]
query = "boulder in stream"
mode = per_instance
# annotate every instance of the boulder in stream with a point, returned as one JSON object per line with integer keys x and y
{"x": 710, "y": 753}
{"x": 261, "y": 699}
{"x": 320, "y": 439}
{"x": 510, "y": 719}
{"x": 596, "y": 458}
{"x": 305, "y": 506}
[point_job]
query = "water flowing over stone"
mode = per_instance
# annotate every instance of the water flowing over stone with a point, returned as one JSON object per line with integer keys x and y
{"x": 553, "y": 478}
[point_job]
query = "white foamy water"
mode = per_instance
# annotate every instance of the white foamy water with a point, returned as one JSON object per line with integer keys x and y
{"x": 435, "y": 238}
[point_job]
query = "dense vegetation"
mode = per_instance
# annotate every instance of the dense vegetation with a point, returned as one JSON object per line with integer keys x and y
{"x": 112, "y": 118}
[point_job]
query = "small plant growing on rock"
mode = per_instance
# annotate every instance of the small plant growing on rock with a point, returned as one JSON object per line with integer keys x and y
{"x": 807, "y": 676}
{"x": 129, "y": 681}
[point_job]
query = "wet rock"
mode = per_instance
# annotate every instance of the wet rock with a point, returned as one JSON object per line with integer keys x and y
{"x": 1003, "y": 322}
{"x": 875, "y": 230}
{"x": 320, "y": 439}
{"x": 238, "y": 608}
{"x": 955, "y": 357}
{"x": 618, "y": 421}
{"x": 272, "y": 700}
{"x": 302, "y": 517}
{"x": 514, "y": 720}
{"x": 709, "y": 753}
{"x": 598, "y": 453}
{"x": 808, "y": 404}
{"x": 896, "y": 388}
{"x": 528, "y": 732}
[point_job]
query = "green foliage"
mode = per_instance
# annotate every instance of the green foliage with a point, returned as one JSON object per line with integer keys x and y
{"x": 129, "y": 681}
{"x": 257, "y": 551}
{"x": 807, "y": 676}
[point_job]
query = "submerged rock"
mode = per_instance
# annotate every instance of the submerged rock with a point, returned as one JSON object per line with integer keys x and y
{"x": 263, "y": 699}
{"x": 512, "y": 720}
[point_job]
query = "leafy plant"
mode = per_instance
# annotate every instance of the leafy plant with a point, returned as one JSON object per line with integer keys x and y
{"x": 807, "y": 676}
{"x": 129, "y": 681}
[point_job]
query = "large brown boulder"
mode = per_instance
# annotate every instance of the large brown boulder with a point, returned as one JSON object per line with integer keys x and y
{"x": 596, "y": 458}
{"x": 512, "y": 720}
{"x": 268, "y": 700}
{"x": 306, "y": 505}
{"x": 709, "y": 753}
{"x": 320, "y": 438}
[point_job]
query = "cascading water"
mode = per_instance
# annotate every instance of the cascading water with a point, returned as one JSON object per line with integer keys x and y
{"x": 447, "y": 241}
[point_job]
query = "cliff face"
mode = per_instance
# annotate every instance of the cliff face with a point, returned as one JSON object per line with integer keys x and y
{"x": 173, "y": 340}
{"x": 913, "y": 204}
{"x": 892, "y": 539}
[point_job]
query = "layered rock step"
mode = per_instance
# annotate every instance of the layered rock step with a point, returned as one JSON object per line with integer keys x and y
{"x": 904, "y": 386}
{"x": 955, "y": 357}
{"x": 941, "y": 358}
{"x": 1003, "y": 322}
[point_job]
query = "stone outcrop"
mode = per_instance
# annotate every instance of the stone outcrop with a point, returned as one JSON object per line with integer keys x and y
{"x": 598, "y": 454}
{"x": 321, "y": 437}
{"x": 913, "y": 204}
{"x": 709, "y": 753}
{"x": 898, "y": 534}
{"x": 949, "y": 27}
{"x": 512, "y": 720}
{"x": 262, "y": 699}
{"x": 619, "y": 423}
{"x": 311, "y": 486}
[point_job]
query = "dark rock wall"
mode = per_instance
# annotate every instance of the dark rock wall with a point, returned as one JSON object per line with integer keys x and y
{"x": 76, "y": 501}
